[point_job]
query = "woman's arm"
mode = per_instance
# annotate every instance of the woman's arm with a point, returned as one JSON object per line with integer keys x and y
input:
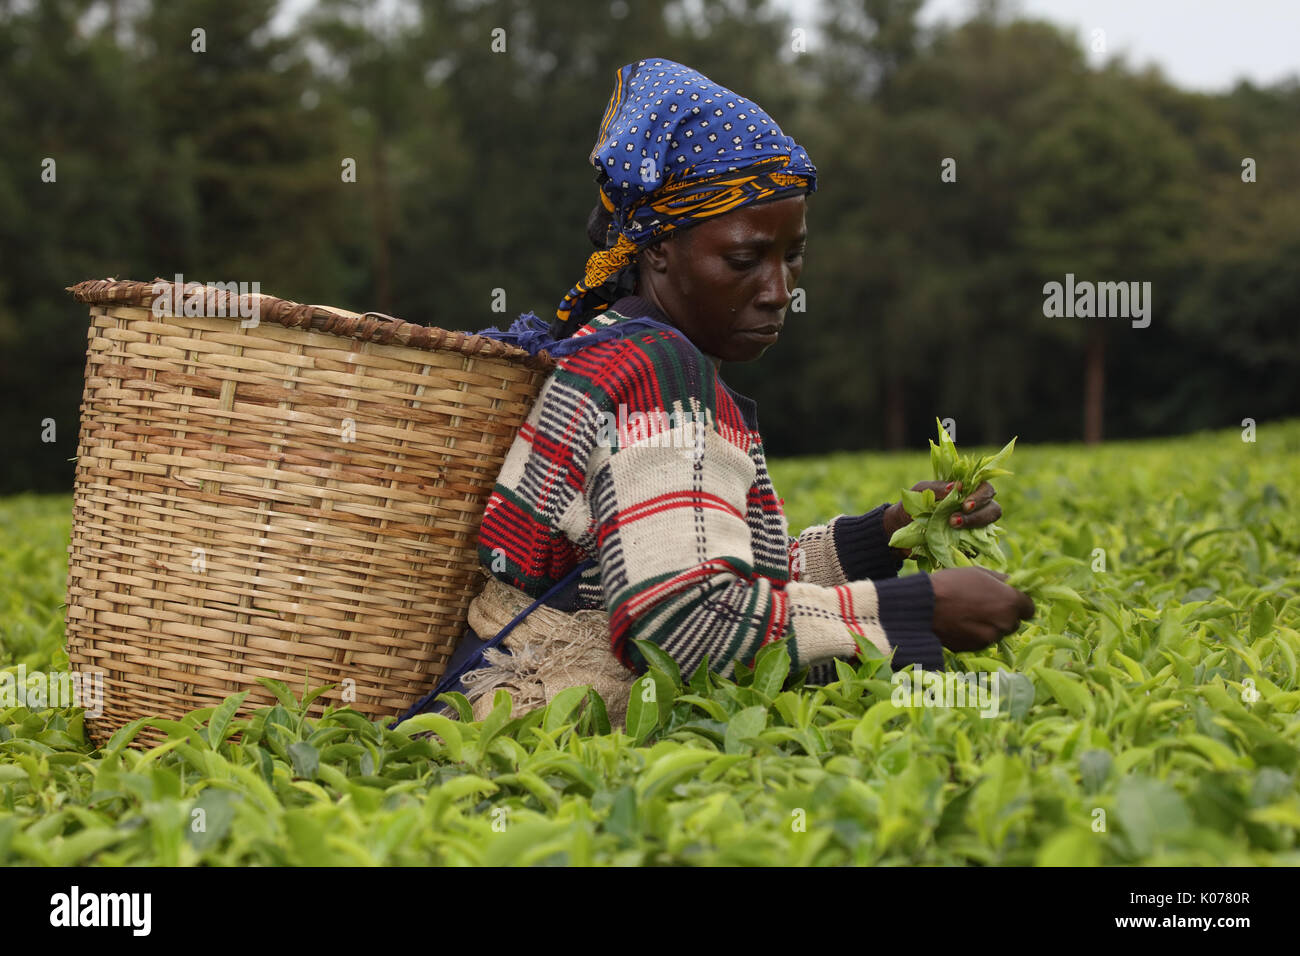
{"x": 668, "y": 522}
{"x": 677, "y": 569}
{"x": 846, "y": 548}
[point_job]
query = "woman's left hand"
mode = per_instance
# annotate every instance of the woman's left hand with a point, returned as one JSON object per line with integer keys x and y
{"x": 976, "y": 511}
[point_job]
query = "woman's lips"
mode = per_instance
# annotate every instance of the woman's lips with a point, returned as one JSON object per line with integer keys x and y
{"x": 765, "y": 333}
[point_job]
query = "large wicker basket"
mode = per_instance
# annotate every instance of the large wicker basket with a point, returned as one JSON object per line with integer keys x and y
{"x": 296, "y": 499}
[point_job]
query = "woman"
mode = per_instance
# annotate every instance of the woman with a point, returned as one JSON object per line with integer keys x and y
{"x": 638, "y": 458}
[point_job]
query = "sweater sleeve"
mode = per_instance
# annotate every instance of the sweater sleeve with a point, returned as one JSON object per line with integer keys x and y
{"x": 847, "y": 548}
{"x": 668, "y": 512}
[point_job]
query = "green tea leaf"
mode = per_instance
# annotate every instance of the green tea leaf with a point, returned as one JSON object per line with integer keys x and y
{"x": 562, "y": 706}
{"x": 219, "y": 723}
{"x": 1094, "y": 767}
{"x": 656, "y": 656}
{"x": 306, "y": 759}
{"x": 771, "y": 668}
{"x": 598, "y": 713}
{"x": 746, "y": 724}
{"x": 1149, "y": 810}
{"x": 1070, "y": 694}
{"x": 281, "y": 692}
{"x": 1018, "y": 691}
{"x": 642, "y": 714}
{"x": 1261, "y": 621}
{"x": 1076, "y": 847}
{"x": 218, "y": 813}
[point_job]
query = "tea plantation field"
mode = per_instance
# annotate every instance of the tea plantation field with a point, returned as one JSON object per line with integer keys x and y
{"x": 1151, "y": 720}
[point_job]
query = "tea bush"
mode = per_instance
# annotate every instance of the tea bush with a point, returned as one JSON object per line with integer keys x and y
{"x": 1146, "y": 715}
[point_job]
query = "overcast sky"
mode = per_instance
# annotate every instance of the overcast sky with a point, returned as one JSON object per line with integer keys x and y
{"x": 1200, "y": 44}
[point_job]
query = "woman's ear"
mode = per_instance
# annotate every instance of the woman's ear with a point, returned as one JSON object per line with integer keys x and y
{"x": 655, "y": 255}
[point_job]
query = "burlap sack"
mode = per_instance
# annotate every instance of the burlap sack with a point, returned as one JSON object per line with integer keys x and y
{"x": 549, "y": 651}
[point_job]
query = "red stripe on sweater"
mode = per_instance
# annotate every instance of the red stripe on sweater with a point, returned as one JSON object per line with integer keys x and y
{"x": 662, "y": 503}
{"x": 621, "y": 368}
{"x": 636, "y": 603}
{"x": 774, "y": 633}
{"x": 703, "y": 498}
{"x": 846, "y": 609}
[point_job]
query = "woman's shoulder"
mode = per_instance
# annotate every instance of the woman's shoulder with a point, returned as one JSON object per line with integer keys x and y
{"x": 635, "y": 325}
{"x": 637, "y": 358}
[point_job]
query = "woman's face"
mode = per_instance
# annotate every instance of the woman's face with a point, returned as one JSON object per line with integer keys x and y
{"x": 726, "y": 282}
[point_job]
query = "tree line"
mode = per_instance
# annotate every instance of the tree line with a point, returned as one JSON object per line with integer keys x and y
{"x": 429, "y": 160}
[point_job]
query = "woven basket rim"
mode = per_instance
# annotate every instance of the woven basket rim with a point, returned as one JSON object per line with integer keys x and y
{"x": 321, "y": 318}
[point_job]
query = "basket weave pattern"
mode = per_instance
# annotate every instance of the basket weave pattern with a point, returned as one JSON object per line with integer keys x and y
{"x": 297, "y": 500}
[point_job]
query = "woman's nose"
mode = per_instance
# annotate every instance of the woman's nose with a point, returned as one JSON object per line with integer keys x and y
{"x": 775, "y": 292}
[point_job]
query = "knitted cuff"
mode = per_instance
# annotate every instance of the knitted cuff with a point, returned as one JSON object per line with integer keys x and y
{"x": 862, "y": 546}
{"x": 906, "y": 608}
{"x": 817, "y": 562}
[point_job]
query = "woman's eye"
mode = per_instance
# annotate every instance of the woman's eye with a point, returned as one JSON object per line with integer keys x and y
{"x": 742, "y": 265}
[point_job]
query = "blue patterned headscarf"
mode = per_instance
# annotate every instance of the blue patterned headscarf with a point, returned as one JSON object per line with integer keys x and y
{"x": 673, "y": 149}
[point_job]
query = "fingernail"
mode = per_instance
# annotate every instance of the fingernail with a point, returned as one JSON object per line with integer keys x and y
{"x": 968, "y": 506}
{"x": 950, "y": 484}
{"x": 958, "y": 520}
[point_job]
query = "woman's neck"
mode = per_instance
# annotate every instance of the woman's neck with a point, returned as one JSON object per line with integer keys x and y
{"x": 649, "y": 296}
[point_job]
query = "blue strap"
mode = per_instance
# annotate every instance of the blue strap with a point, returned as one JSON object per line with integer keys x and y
{"x": 475, "y": 660}
{"x": 533, "y": 334}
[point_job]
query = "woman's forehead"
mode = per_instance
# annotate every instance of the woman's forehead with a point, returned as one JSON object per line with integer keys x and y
{"x": 758, "y": 220}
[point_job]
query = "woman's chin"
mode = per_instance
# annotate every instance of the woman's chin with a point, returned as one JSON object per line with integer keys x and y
{"x": 749, "y": 349}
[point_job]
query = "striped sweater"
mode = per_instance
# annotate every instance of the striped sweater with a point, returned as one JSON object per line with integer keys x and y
{"x": 637, "y": 454}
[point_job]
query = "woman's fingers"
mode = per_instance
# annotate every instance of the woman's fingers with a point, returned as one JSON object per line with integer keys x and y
{"x": 978, "y": 510}
{"x": 979, "y": 498}
{"x": 987, "y": 514}
{"x": 940, "y": 488}
{"x": 1026, "y": 609}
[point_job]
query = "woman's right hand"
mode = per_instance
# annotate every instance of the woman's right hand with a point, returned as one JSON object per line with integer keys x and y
{"x": 973, "y": 608}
